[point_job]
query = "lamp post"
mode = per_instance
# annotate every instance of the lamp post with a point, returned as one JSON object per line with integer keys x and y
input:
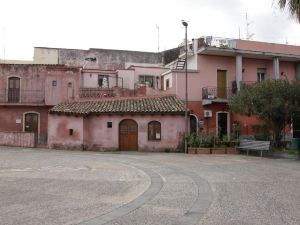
{"x": 185, "y": 24}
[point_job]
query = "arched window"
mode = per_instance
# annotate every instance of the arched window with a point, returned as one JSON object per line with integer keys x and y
{"x": 154, "y": 131}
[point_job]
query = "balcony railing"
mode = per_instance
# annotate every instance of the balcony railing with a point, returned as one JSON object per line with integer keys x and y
{"x": 218, "y": 42}
{"x": 96, "y": 93}
{"x": 22, "y": 96}
{"x": 217, "y": 93}
{"x": 244, "y": 84}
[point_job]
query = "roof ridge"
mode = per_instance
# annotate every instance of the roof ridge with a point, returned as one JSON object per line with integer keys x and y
{"x": 153, "y": 104}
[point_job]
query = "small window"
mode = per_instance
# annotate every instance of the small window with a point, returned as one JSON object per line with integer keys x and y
{"x": 54, "y": 83}
{"x": 70, "y": 84}
{"x": 109, "y": 124}
{"x": 261, "y": 75}
{"x": 167, "y": 83}
{"x": 147, "y": 79}
{"x": 154, "y": 131}
{"x": 103, "y": 81}
{"x": 70, "y": 132}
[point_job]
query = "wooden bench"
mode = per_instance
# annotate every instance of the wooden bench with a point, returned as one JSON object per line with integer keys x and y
{"x": 252, "y": 145}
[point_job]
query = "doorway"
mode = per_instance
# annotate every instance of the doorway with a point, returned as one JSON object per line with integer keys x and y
{"x": 221, "y": 84}
{"x": 128, "y": 135}
{"x": 13, "y": 89}
{"x": 222, "y": 124}
{"x": 193, "y": 124}
{"x": 31, "y": 124}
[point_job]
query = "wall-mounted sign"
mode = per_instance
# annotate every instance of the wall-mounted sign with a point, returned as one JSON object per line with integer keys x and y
{"x": 18, "y": 120}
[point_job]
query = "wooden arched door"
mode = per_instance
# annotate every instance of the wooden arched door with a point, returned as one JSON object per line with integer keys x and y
{"x": 128, "y": 135}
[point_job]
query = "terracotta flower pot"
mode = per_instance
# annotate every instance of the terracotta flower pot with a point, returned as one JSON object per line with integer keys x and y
{"x": 192, "y": 150}
{"x": 232, "y": 150}
{"x": 218, "y": 150}
{"x": 203, "y": 150}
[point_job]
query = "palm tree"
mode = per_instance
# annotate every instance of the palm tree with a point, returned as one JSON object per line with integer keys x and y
{"x": 293, "y": 7}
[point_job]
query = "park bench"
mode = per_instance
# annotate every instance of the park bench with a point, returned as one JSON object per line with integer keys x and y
{"x": 252, "y": 145}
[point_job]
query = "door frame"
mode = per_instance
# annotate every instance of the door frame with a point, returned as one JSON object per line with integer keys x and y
{"x": 39, "y": 124}
{"x": 119, "y": 138}
{"x": 7, "y": 86}
{"x": 197, "y": 123}
{"x": 228, "y": 122}
{"x": 226, "y": 81}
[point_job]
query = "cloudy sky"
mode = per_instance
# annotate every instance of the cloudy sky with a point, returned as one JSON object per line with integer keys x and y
{"x": 131, "y": 24}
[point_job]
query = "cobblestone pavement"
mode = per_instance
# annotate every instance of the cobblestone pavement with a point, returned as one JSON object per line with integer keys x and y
{"x": 40, "y": 186}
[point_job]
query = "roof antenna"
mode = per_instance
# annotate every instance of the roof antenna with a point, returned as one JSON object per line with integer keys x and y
{"x": 249, "y": 36}
{"x": 3, "y": 28}
{"x": 157, "y": 27}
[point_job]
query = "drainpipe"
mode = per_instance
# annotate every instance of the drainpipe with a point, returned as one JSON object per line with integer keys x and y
{"x": 185, "y": 24}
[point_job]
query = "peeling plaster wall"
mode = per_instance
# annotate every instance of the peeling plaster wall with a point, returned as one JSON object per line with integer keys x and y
{"x": 59, "y": 132}
{"x": 107, "y": 59}
{"x": 92, "y": 132}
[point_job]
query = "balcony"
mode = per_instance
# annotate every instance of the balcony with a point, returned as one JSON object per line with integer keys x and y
{"x": 16, "y": 96}
{"x": 96, "y": 93}
{"x": 244, "y": 84}
{"x": 218, "y": 42}
{"x": 216, "y": 94}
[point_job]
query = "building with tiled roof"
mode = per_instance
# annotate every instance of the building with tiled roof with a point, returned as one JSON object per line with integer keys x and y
{"x": 147, "y": 105}
{"x": 145, "y": 124}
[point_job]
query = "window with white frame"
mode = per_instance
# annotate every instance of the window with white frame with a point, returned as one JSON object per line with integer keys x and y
{"x": 261, "y": 74}
{"x": 147, "y": 80}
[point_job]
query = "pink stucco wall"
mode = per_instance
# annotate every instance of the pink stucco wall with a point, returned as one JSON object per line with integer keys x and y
{"x": 36, "y": 83}
{"x": 93, "y": 133}
{"x": 267, "y": 47}
{"x": 58, "y": 132}
{"x": 250, "y": 67}
{"x": 67, "y": 86}
{"x": 131, "y": 76}
{"x": 207, "y": 74}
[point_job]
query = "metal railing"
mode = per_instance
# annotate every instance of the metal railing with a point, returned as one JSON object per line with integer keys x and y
{"x": 218, "y": 42}
{"x": 217, "y": 93}
{"x": 96, "y": 93}
{"x": 22, "y": 96}
{"x": 244, "y": 84}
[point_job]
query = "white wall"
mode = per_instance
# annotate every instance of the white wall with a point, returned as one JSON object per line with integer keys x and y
{"x": 128, "y": 78}
{"x": 90, "y": 80}
{"x": 170, "y": 77}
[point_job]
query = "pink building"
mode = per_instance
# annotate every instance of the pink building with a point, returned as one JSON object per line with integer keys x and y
{"x": 217, "y": 69}
{"x": 85, "y": 101}
{"x": 27, "y": 92}
{"x": 144, "y": 124}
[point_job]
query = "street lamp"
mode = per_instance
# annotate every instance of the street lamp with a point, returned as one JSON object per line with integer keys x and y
{"x": 185, "y": 24}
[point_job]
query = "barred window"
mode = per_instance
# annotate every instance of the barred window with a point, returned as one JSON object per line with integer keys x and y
{"x": 154, "y": 131}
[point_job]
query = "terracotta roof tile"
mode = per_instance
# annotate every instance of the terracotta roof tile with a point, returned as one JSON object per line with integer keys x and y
{"x": 164, "y": 104}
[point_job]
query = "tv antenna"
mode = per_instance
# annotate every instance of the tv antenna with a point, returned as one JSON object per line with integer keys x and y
{"x": 3, "y": 29}
{"x": 157, "y": 27}
{"x": 249, "y": 36}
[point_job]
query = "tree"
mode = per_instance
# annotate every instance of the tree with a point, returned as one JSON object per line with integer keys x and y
{"x": 293, "y": 7}
{"x": 273, "y": 101}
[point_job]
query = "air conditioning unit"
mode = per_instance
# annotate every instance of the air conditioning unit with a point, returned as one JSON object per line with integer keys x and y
{"x": 207, "y": 113}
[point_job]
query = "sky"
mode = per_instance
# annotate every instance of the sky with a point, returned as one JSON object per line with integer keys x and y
{"x": 132, "y": 24}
